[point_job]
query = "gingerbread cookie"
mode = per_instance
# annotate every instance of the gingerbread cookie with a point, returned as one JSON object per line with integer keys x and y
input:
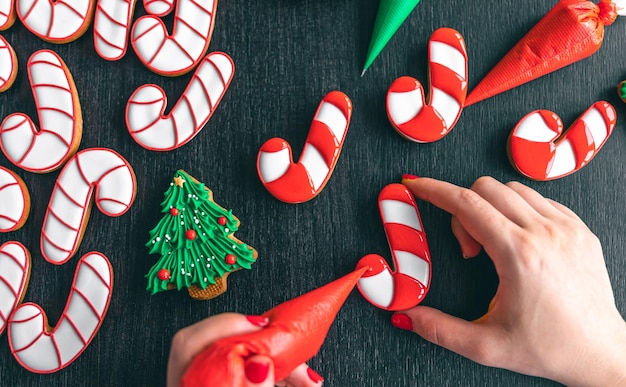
{"x": 195, "y": 241}
{"x": 7, "y": 14}
{"x": 59, "y": 21}
{"x": 14, "y": 275}
{"x": 14, "y": 201}
{"x": 158, "y": 8}
{"x": 111, "y": 27}
{"x": 296, "y": 183}
{"x": 47, "y": 148}
{"x": 95, "y": 169}
{"x": 8, "y": 65}
{"x": 153, "y": 130}
{"x": 540, "y": 150}
{"x": 42, "y": 349}
{"x": 409, "y": 284}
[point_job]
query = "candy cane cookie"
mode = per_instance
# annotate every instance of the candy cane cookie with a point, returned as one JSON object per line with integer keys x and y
{"x": 8, "y": 65}
{"x": 14, "y": 275}
{"x": 158, "y": 8}
{"x": 99, "y": 169}
{"x": 153, "y": 130}
{"x": 7, "y": 14}
{"x": 14, "y": 201}
{"x": 59, "y": 113}
{"x": 176, "y": 54}
{"x": 408, "y": 112}
{"x": 42, "y": 349}
{"x": 56, "y": 21}
{"x": 408, "y": 285}
{"x": 111, "y": 27}
{"x": 540, "y": 150}
{"x": 297, "y": 183}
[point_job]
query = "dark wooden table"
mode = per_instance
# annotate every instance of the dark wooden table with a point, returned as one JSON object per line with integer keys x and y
{"x": 288, "y": 54}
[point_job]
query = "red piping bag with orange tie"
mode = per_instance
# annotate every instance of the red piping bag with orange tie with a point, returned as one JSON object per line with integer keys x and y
{"x": 569, "y": 32}
{"x": 296, "y": 331}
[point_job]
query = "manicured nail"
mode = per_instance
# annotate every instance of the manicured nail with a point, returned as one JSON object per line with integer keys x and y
{"x": 407, "y": 176}
{"x": 402, "y": 321}
{"x": 259, "y": 321}
{"x": 257, "y": 372}
{"x": 314, "y": 376}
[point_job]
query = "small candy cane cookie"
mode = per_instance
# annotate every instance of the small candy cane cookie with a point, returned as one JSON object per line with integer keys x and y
{"x": 99, "y": 169}
{"x": 539, "y": 149}
{"x": 410, "y": 115}
{"x": 111, "y": 27}
{"x": 7, "y": 14}
{"x": 58, "y": 21}
{"x": 153, "y": 130}
{"x": 179, "y": 53}
{"x": 408, "y": 286}
{"x": 59, "y": 115}
{"x": 14, "y": 276}
{"x": 8, "y": 64}
{"x": 14, "y": 201}
{"x": 296, "y": 183}
{"x": 42, "y": 349}
{"x": 158, "y": 8}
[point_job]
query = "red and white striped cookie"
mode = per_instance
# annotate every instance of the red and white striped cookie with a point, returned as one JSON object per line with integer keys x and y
{"x": 539, "y": 149}
{"x": 153, "y": 130}
{"x": 408, "y": 285}
{"x": 111, "y": 27}
{"x": 14, "y": 275}
{"x": 99, "y": 169}
{"x": 56, "y": 21}
{"x": 58, "y": 108}
{"x": 8, "y": 64}
{"x": 408, "y": 112}
{"x": 158, "y": 8}
{"x": 7, "y": 14}
{"x": 297, "y": 183}
{"x": 42, "y": 349}
{"x": 179, "y": 53}
{"x": 14, "y": 201}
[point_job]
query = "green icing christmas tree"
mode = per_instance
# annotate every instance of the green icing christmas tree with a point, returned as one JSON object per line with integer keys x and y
{"x": 195, "y": 241}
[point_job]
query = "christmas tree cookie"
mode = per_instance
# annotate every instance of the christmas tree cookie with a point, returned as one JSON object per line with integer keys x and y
{"x": 196, "y": 242}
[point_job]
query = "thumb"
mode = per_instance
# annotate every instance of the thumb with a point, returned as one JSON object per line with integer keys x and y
{"x": 472, "y": 340}
{"x": 259, "y": 371}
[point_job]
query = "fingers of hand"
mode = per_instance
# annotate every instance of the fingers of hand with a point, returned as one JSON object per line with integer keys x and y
{"x": 469, "y": 247}
{"x": 506, "y": 200}
{"x": 302, "y": 376}
{"x": 259, "y": 371}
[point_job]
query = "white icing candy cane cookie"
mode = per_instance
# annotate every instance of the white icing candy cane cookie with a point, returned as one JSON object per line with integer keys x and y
{"x": 408, "y": 286}
{"x": 59, "y": 113}
{"x": 14, "y": 276}
{"x": 182, "y": 51}
{"x": 539, "y": 149}
{"x": 99, "y": 169}
{"x": 8, "y": 64}
{"x": 7, "y": 14}
{"x": 296, "y": 183}
{"x": 14, "y": 201}
{"x": 42, "y": 349}
{"x": 407, "y": 109}
{"x": 111, "y": 27}
{"x": 58, "y": 21}
{"x": 153, "y": 130}
{"x": 158, "y": 8}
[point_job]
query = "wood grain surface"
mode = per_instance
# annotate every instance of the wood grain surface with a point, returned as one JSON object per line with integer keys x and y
{"x": 288, "y": 54}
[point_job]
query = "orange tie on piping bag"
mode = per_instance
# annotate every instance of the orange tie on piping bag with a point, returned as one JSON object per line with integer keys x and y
{"x": 296, "y": 330}
{"x": 569, "y": 32}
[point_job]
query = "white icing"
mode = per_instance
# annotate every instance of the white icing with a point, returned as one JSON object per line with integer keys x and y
{"x": 97, "y": 168}
{"x": 112, "y": 26}
{"x": 621, "y": 7}
{"x": 378, "y": 289}
{"x": 395, "y": 211}
{"x": 43, "y": 351}
{"x": 165, "y": 54}
{"x": 446, "y": 106}
{"x": 62, "y": 20}
{"x": 564, "y": 160}
{"x": 315, "y": 165}
{"x": 8, "y": 69}
{"x": 534, "y": 128}
{"x": 158, "y": 7}
{"x": 403, "y": 107}
{"x": 448, "y": 56}
{"x": 273, "y": 165}
{"x": 596, "y": 125}
{"x": 6, "y": 13}
{"x": 334, "y": 118}
{"x": 59, "y": 113}
{"x": 13, "y": 200}
{"x": 155, "y": 131}
{"x": 14, "y": 270}
{"x": 412, "y": 265}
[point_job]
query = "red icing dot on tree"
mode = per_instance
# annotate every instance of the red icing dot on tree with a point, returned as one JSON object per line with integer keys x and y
{"x": 191, "y": 234}
{"x": 221, "y": 221}
{"x": 231, "y": 259}
{"x": 174, "y": 211}
{"x": 164, "y": 274}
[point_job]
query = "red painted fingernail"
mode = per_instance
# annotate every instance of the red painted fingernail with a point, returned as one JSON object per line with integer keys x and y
{"x": 259, "y": 321}
{"x": 257, "y": 372}
{"x": 314, "y": 376}
{"x": 407, "y": 176}
{"x": 402, "y": 321}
